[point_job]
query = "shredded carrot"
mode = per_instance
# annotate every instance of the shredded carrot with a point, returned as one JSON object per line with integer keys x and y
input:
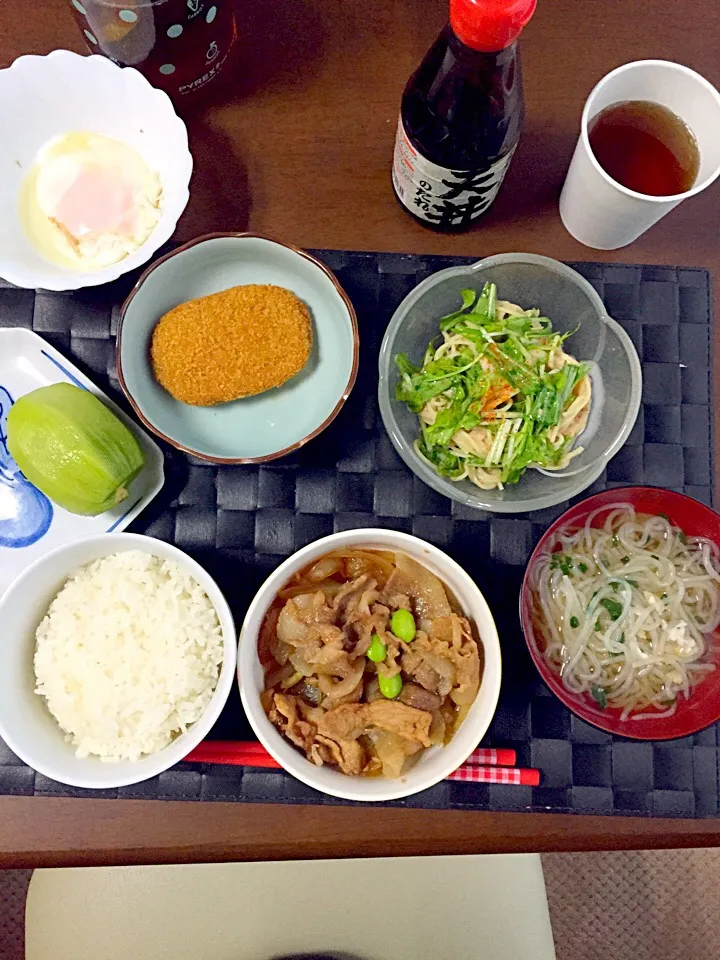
{"x": 497, "y": 395}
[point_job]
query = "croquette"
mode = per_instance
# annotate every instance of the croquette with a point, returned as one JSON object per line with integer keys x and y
{"x": 237, "y": 343}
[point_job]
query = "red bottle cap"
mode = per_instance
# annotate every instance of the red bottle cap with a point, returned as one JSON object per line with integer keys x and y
{"x": 489, "y": 25}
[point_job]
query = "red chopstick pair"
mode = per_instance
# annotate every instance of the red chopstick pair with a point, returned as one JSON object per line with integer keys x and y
{"x": 484, "y": 765}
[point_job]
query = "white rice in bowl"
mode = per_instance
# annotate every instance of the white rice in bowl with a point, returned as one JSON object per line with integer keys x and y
{"x": 128, "y": 655}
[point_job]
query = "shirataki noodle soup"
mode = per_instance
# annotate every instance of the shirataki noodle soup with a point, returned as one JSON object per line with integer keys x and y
{"x": 627, "y": 609}
{"x": 367, "y": 662}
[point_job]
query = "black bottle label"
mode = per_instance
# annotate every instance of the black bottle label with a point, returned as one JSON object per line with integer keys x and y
{"x": 442, "y": 196}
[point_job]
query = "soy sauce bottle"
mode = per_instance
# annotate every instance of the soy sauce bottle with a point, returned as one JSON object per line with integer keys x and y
{"x": 461, "y": 115}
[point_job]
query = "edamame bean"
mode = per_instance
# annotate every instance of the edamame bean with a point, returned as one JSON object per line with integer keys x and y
{"x": 390, "y": 687}
{"x": 377, "y": 649}
{"x": 402, "y": 625}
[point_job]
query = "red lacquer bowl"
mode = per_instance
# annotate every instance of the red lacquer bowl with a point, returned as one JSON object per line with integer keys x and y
{"x": 703, "y": 706}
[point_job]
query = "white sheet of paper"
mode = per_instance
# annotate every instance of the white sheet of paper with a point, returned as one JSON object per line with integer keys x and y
{"x": 422, "y": 908}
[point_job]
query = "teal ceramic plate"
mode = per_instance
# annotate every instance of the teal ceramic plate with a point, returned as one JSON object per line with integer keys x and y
{"x": 258, "y": 428}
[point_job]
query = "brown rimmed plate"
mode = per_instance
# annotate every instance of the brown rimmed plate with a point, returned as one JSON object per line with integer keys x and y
{"x": 253, "y": 429}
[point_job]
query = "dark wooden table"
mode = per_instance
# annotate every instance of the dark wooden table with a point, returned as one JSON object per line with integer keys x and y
{"x": 298, "y": 146}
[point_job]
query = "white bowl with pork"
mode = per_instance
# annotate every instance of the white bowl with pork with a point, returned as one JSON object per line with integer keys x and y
{"x": 26, "y": 723}
{"x": 433, "y": 763}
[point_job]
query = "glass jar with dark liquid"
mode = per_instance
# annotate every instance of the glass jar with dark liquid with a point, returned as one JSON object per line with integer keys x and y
{"x": 179, "y": 45}
{"x": 461, "y": 115}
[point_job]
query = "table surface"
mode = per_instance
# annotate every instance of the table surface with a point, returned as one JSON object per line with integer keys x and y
{"x": 297, "y": 145}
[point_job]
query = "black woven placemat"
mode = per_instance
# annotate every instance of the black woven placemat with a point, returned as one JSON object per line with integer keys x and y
{"x": 240, "y": 522}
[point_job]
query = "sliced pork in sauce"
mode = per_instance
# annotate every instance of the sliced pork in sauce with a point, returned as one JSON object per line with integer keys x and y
{"x": 343, "y": 687}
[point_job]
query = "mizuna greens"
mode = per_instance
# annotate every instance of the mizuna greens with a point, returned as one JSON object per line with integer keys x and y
{"x": 495, "y": 393}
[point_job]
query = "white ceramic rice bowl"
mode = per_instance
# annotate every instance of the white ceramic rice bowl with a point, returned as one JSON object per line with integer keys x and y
{"x": 27, "y": 726}
{"x": 43, "y": 97}
{"x": 436, "y": 762}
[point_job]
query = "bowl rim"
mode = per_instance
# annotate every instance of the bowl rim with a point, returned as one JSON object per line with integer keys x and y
{"x": 290, "y": 759}
{"x": 575, "y": 703}
{"x": 165, "y": 227}
{"x": 446, "y": 487}
{"x": 242, "y": 235}
{"x": 205, "y": 722}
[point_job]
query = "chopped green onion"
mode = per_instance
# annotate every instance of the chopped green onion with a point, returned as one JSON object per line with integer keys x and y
{"x": 562, "y": 562}
{"x": 574, "y": 622}
{"x": 599, "y": 696}
{"x": 613, "y": 608}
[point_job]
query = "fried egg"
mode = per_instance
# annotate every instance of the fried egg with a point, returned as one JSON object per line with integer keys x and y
{"x": 89, "y": 201}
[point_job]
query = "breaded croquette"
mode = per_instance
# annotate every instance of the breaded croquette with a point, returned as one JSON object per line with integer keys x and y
{"x": 236, "y": 343}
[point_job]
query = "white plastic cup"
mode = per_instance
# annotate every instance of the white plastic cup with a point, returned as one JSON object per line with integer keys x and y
{"x": 600, "y": 212}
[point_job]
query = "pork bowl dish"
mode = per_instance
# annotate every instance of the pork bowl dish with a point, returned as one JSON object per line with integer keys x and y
{"x": 368, "y": 661}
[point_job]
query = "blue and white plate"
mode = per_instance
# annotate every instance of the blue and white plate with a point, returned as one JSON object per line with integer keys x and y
{"x": 30, "y": 524}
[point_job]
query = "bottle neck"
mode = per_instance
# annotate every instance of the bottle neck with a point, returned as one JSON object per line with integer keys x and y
{"x": 471, "y": 56}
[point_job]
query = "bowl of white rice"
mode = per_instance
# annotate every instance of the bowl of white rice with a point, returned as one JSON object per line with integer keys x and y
{"x": 117, "y": 654}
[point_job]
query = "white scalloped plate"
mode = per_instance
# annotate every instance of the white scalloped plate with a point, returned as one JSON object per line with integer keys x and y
{"x": 43, "y": 97}
{"x": 30, "y": 524}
